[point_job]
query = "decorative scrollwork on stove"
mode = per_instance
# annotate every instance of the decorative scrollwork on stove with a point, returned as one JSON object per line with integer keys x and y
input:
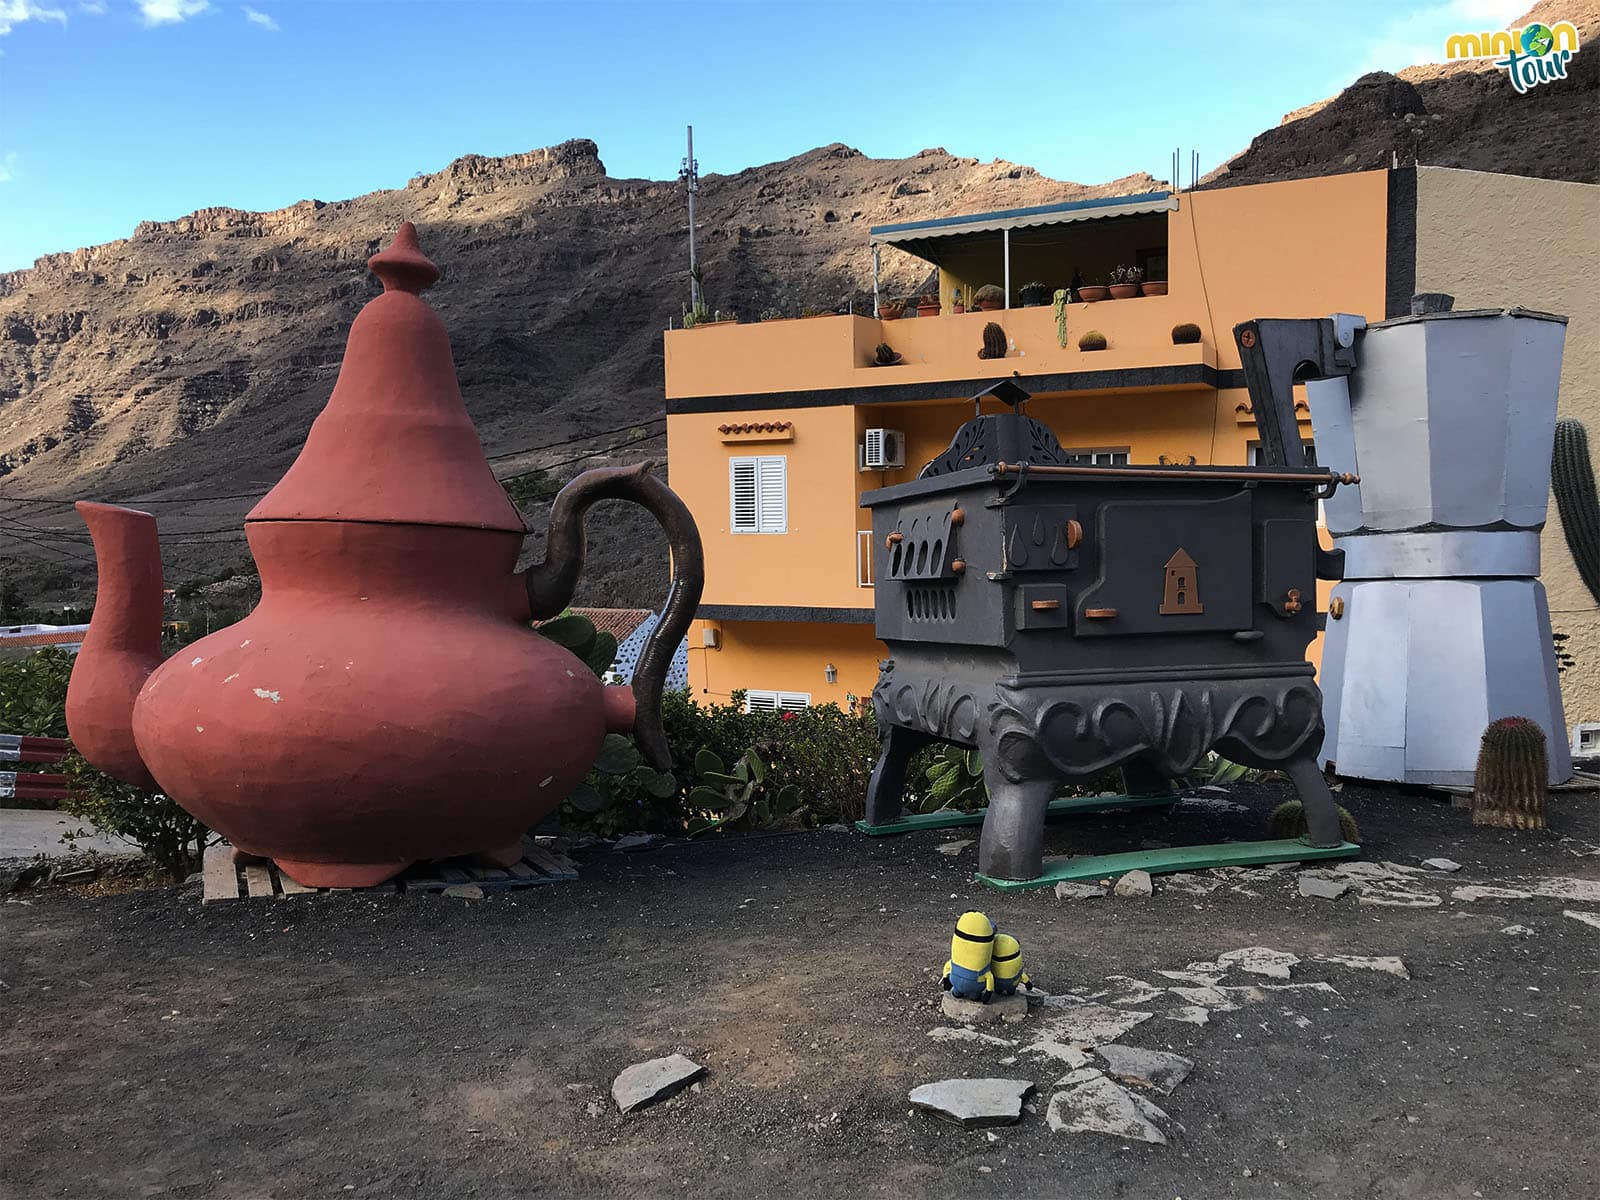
{"x": 1072, "y": 732}
{"x": 988, "y": 439}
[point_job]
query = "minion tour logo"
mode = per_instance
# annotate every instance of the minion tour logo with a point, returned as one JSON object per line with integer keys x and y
{"x": 1531, "y": 55}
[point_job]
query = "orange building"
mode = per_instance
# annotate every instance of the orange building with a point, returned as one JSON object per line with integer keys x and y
{"x": 775, "y": 429}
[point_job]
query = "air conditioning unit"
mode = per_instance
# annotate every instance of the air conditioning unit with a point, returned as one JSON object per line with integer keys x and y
{"x": 883, "y": 449}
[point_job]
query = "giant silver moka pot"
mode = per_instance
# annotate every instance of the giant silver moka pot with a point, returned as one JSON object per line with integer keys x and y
{"x": 1440, "y": 625}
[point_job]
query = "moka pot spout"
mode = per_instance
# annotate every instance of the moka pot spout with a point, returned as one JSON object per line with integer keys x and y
{"x": 123, "y": 645}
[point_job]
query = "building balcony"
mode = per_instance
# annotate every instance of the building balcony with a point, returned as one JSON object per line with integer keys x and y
{"x": 805, "y": 358}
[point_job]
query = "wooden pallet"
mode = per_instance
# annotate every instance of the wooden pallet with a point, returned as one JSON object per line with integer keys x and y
{"x": 224, "y": 879}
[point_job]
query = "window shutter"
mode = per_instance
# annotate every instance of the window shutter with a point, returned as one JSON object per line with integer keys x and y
{"x": 773, "y": 487}
{"x": 760, "y": 701}
{"x": 742, "y": 495}
{"x": 794, "y": 701}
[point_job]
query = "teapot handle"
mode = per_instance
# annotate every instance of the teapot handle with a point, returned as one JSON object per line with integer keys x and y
{"x": 552, "y": 582}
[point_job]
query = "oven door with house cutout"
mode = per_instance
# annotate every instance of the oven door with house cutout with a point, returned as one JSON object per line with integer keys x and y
{"x": 1170, "y": 566}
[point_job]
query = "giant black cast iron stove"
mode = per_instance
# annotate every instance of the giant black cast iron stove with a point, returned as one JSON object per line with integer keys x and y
{"x": 1064, "y": 620}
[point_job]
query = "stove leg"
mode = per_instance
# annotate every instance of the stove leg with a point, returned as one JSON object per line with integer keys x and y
{"x": 1013, "y": 831}
{"x": 1139, "y": 778}
{"x": 1322, "y": 814}
{"x": 888, "y": 784}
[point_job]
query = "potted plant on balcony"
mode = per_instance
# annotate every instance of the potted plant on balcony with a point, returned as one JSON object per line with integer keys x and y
{"x": 1125, "y": 282}
{"x": 772, "y": 314}
{"x": 1092, "y": 340}
{"x": 928, "y": 305}
{"x": 955, "y": 301}
{"x": 989, "y": 297}
{"x": 1090, "y": 292}
{"x": 884, "y": 356}
{"x": 1036, "y": 295}
{"x": 891, "y": 310}
{"x": 1186, "y": 334}
{"x": 1154, "y": 287}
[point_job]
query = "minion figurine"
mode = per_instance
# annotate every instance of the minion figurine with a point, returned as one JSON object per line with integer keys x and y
{"x": 1006, "y": 965}
{"x": 966, "y": 973}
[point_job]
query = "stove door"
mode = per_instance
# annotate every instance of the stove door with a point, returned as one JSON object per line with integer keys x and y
{"x": 1170, "y": 566}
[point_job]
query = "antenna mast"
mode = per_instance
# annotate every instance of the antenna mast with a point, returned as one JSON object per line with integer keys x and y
{"x": 690, "y": 175}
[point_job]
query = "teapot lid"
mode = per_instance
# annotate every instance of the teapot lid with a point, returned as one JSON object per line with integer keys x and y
{"x": 394, "y": 443}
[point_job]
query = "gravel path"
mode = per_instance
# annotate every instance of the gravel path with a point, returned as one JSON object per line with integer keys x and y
{"x": 414, "y": 1046}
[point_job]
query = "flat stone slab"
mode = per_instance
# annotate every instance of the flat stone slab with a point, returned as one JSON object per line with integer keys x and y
{"x": 645, "y": 1083}
{"x": 1441, "y": 864}
{"x": 1322, "y": 888}
{"x": 1399, "y": 898}
{"x": 1585, "y": 891}
{"x": 1156, "y": 1069}
{"x": 1090, "y": 1024}
{"x": 1387, "y": 963}
{"x": 1009, "y": 1009}
{"x": 1134, "y": 883}
{"x": 463, "y": 891}
{"x": 1078, "y": 891}
{"x": 947, "y": 1033}
{"x": 951, "y": 849}
{"x": 1093, "y": 1103}
{"x": 1475, "y": 892}
{"x": 973, "y": 1103}
{"x": 1588, "y": 918}
{"x": 1259, "y": 960}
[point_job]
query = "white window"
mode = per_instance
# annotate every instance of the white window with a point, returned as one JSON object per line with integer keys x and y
{"x": 776, "y": 701}
{"x": 1310, "y": 448}
{"x": 758, "y": 494}
{"x": 1097, "y": 458}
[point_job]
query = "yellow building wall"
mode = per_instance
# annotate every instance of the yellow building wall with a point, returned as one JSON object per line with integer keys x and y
{"x": 784, "y": 656}
{"x": 1493, "y": 241}
{"x": 814, "y": 563}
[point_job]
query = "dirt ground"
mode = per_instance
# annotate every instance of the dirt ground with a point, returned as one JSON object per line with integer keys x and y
{"x": 417, "y": 1046}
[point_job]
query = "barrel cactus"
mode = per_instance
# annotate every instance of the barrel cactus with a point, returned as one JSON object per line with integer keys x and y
{"x": 1186, "y": 334}
{"x": 1572, "y": 481}
{"x": 1513, "y": 771}
{"x": 1288, "y": 820}
{"x": 1093, "y": 340}
{"x": 994, "y": 341}
{"x": 884, "y": 355}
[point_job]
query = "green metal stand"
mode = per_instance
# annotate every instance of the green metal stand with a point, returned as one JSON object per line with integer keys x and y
{"x": 1067, "y": 804}
{"x": 1175, "y": 858}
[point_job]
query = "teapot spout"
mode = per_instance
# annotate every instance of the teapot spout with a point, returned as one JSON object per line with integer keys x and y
{"x": 123, "y": 644}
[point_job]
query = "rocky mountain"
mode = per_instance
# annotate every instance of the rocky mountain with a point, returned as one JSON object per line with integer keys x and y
{"x": 181, "y": 367}
{"x": 1461, "y": 114}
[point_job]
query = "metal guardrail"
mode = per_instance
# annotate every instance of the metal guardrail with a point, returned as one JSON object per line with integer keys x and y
{"x": 32, "y": 785}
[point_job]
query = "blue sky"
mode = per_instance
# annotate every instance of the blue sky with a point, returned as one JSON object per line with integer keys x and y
{"x": 117, "y": 111}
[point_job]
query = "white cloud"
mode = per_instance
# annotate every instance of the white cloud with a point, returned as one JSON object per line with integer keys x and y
{"x": 94, "y": 8}
{"x": 170, "y": 12}
{"x": 1419, "y": 36}
{"x": 15, "y": 12}
{"x": 260, "y": 18}
{"x": 8, "y": 166}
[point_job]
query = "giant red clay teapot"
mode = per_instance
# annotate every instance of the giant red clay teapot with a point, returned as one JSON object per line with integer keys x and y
{"x": 386, "y": 701}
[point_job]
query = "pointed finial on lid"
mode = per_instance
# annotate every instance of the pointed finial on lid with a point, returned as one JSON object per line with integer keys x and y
{"x": 403, "y": 266}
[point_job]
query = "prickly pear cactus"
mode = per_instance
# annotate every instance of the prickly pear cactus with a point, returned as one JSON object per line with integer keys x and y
{"x": 1513, "y": 771}
{"x": 994, "y": 341}
{"x": 1572, "y": 481}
